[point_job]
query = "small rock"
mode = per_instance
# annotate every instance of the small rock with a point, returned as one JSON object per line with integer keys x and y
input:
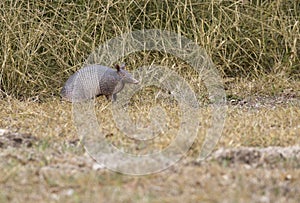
{"x": 288, "y": 177}
{"x": 3, "y": 131}
{"x": 97, "y": 166}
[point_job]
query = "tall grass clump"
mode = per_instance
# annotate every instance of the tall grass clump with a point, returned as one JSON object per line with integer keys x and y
{"x": 43, "y": 42}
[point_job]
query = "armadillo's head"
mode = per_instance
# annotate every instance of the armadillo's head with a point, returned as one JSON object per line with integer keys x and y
{"x": 125, "y": 75}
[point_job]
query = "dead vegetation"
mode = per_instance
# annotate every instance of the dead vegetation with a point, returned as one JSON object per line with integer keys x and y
{"x": 255, "y": 160}
{"x": 255, "y": 46}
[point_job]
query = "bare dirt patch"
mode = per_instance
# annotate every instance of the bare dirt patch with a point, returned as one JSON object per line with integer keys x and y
{"x": 10, "y": 139}
{"x": 269, "y": 157}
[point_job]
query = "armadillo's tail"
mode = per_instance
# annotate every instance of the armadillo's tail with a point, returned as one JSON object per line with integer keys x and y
{"x": 66, "y": 94}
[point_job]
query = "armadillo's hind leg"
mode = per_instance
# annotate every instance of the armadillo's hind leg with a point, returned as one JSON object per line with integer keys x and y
{"x": 112, "y": 97}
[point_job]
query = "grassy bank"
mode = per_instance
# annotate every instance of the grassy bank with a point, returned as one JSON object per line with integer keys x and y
{"x": 43, "y": 42}
{"x": 255, "y": 47}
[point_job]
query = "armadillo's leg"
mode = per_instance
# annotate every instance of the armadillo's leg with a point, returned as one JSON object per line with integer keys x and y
{"x": 114, "y": 97}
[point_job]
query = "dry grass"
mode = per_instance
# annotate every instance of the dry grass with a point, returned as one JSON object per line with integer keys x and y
{"x": 55, "y": 168}
{"x": 255, "y": 46}
{"x": 42, "y": 43}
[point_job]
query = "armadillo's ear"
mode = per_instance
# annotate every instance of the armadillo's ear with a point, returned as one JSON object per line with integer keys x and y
{"x": 123, "y": 66}
{"x": 117, "y": 67}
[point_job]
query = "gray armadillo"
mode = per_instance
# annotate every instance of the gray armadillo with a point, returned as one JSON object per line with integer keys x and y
{"x": 95, "y": 80}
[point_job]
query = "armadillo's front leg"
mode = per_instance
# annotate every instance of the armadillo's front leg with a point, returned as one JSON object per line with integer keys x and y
{"x": 112, "y": 97}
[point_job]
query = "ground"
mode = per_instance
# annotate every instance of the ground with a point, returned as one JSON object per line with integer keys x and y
{"x": 256, "y": 160}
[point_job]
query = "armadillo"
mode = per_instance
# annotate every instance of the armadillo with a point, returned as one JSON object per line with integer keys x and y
{"x": 95, "y": 80}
